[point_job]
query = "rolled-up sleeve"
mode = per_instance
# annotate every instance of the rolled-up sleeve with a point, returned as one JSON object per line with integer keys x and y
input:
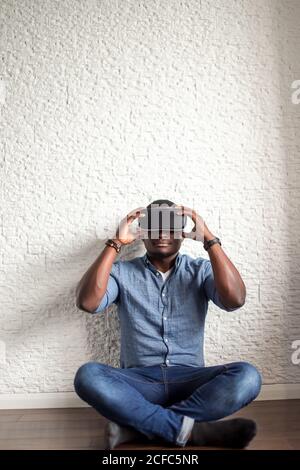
{"x": 210, "y": 287}
{"x": 112, "y": 293}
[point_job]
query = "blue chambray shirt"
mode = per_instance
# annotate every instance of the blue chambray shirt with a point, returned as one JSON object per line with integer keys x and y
{"x": 162, "y": 322}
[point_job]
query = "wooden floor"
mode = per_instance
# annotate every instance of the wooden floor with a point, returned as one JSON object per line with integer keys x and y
{"x": 82, "y": 428}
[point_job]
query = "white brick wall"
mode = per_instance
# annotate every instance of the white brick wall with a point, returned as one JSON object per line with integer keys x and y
{"x": 111, "y": 104}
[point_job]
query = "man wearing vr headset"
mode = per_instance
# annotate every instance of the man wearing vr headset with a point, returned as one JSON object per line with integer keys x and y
{"x": 162, "y": 388}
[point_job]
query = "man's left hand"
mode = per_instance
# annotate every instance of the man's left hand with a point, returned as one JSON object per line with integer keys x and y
{"x": 200, "y": 231}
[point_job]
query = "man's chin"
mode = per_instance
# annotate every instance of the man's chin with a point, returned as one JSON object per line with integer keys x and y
{"x": 163, "y": 251}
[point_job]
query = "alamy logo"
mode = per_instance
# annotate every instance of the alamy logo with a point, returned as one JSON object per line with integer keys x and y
{"x": 295, "y": 358}
{"x": 2, "y": 91}
{"x": 296, "y": 94}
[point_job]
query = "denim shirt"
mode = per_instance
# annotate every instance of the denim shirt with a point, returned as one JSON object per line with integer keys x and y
{"x": 162, "y": 322}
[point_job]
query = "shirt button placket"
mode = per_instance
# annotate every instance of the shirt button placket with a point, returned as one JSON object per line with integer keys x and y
{"x": 165, "y": 302}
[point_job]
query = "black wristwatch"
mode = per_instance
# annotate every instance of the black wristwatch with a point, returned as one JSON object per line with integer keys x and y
{"x": 115, "y": 244}
{"x": 209, "y": 243}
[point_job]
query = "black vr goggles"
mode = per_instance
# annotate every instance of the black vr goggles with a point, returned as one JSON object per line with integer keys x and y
{"x": 162, "y": 218}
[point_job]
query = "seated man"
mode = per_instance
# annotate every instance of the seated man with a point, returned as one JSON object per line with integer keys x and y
{"x": 162, "y": 388}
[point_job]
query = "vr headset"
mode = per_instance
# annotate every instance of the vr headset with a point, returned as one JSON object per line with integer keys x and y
{"x": 162, "y": 218}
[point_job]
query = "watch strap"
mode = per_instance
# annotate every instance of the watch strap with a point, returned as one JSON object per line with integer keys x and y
{"x": 114, "y": 244}
{"x": 209, "y": 243}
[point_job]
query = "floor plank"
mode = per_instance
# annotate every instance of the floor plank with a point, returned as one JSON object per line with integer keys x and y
{"x": 83, "y": 428}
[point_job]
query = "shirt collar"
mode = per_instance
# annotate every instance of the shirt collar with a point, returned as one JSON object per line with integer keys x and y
{"x": 153, "y": 268}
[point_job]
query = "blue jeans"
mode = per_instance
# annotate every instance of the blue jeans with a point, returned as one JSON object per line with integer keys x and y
{"x": 165, "y": 401}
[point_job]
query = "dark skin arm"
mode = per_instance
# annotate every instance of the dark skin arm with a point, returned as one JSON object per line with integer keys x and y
{"x": 229, "y": 284}
{"x": 92, "y": 286}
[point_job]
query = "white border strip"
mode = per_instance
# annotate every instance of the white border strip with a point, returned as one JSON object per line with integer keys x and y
{"x": 19, "y": 401}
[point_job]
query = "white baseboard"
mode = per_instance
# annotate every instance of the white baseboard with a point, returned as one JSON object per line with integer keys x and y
{"x": 19, "y": 401}
{"x": 278, "y": 392}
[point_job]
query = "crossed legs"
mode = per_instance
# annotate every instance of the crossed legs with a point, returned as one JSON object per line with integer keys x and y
{"x": 195, "y": 396}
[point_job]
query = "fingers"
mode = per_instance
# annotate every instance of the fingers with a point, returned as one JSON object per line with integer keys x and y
{"x": 187, "y": 234}
{"x": 180, "y": 209}
{"x": 134, "y": 211}
{"x": 132, "y": 215}
{"x": 183, "y": 210}
{"x": 191, "y": 213}
{"x": 186, "y": 210}
{"x": 139, "y": 234}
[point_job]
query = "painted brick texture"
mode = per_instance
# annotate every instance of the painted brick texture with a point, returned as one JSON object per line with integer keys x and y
{"x": 111, "y": 104}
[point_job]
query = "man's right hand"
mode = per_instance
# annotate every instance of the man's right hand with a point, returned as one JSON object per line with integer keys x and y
{"x": 124, "y": 233}
{"x": 92, "y": 286}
